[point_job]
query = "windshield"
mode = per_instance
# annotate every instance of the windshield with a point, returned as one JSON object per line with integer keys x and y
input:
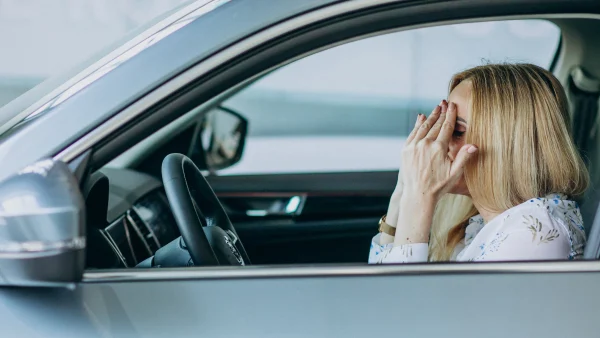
{"x": 43, "y": 39}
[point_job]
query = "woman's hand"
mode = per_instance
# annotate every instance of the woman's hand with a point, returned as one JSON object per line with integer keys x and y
{"x": 428, "y": 171}
{"x": 393, "y": 210}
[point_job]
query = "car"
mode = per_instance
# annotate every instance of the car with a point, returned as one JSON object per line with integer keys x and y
{"x": 129, "y": 184}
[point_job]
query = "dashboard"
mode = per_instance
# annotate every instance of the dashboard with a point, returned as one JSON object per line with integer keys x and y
{"x": 139, "y": 218}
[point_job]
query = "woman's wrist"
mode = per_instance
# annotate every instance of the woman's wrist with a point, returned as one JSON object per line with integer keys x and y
{"x": 414, "y": 221}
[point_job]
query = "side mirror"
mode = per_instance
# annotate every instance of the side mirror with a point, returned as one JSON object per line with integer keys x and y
{"x": 219, "y": 140}
{"x": 42, "y": 227}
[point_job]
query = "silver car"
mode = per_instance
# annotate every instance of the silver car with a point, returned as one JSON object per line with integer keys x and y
{"x": 128, "y": 186}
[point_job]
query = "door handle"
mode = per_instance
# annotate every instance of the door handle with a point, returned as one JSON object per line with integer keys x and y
{"x": 282, "y": 206}
{"x": 263, "y": 204}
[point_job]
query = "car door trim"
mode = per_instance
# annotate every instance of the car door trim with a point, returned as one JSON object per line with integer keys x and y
{"x": 326, "y": 270}
{"x": 204, "y": 67}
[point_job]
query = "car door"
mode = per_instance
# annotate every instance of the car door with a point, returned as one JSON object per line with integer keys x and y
{"x": 415, "y": 300}
{"x": 494, "y": 300}
{"x": 545, "y": 299}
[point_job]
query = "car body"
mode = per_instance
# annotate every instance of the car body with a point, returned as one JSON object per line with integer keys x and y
{"x": 199, "y": 56}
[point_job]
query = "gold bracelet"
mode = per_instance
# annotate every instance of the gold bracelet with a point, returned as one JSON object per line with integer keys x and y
{"x": 386, "y": 228}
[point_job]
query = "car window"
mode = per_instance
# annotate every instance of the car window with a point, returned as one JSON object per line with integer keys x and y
{"x": 349, "y": 108}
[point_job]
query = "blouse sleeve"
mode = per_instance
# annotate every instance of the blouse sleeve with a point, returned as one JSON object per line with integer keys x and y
{"x": 526, "y": 235}
{"x": 388, "y": 253}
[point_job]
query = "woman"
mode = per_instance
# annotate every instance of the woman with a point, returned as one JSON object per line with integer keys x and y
{"x": 489, "y": 175}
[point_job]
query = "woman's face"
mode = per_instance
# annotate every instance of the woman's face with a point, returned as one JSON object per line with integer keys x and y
{"x": 461, "y": 96}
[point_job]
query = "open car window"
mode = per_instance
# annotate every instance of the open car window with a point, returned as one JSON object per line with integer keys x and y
{"x": 339, "y": 115}
{"x": 344, "y": 109}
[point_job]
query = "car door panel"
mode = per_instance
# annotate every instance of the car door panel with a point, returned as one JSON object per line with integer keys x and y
{"x": 336, "y": 214}
{"x": 403, "y": 304}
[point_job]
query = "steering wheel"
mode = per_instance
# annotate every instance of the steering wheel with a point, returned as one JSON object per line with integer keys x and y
{"x": 207, "y": 232}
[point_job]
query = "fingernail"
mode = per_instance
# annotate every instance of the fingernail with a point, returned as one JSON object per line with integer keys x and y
{"x": 451, "y": 105}
{"x": 472, "y": 149}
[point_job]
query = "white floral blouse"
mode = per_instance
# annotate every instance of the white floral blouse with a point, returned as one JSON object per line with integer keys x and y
{"x": 549, "y": 228}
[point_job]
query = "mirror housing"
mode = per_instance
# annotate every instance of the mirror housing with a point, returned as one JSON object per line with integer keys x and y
{"x": 42, "y": 227}
{"x": 219, "y": 139}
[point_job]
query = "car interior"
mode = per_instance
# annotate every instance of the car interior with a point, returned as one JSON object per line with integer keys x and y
{"x": 156, "y": 192}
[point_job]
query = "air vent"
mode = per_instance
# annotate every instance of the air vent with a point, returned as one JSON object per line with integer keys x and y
{"x": 143, "y": 231}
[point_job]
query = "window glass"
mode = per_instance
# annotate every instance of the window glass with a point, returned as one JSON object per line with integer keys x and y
{"x": 349, "y": 108}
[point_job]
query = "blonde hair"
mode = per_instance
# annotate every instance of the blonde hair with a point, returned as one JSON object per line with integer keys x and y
{"x": 520, "y": 121}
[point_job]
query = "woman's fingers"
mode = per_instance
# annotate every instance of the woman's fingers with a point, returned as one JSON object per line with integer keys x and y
{"x": 465, "y": 153}
{"x": 447, "y": 127}
{"x": 437, "y": 126}
{"x": 425, "y": 126}
{"x": 411, "y": 136}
